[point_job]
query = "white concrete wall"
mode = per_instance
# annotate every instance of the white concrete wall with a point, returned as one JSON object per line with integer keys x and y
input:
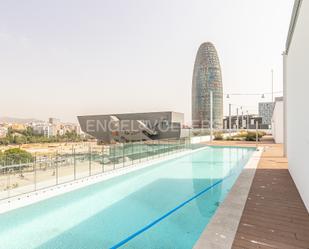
{"x": 297, "y": 97}
{"x": 277, "y": 122}
{"x": 200, "y": 139}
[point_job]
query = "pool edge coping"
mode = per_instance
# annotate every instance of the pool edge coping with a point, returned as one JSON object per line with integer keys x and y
{"x": 220, "y": 232}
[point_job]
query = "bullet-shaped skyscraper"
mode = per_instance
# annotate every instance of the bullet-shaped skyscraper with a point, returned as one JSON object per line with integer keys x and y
{"x": 206, "y": 78}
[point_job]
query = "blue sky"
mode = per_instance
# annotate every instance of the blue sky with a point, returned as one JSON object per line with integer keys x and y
{"x": 67, "y": 58}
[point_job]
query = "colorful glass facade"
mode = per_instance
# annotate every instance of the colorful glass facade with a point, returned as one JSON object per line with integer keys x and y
{"x": 207, "y": 77}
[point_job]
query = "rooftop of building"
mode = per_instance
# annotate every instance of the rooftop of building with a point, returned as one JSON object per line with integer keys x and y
{"x": 294, "y": 17}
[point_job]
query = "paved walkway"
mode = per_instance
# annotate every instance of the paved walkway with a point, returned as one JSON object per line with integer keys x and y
{"x": 274, "y": 214}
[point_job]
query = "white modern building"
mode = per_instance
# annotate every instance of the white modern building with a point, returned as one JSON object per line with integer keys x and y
{"x": 44, "y": 129}
{"x": 296, "y": 96}
{"x": 54, "y": 127}
{"x": 277, "y": 121}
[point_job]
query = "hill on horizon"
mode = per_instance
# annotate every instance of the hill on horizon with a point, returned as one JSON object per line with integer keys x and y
{"x": 18, "y": 120}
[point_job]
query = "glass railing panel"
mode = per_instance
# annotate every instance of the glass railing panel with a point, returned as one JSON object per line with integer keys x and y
{"x": 96, "y": 160}
{"x": 128, "y": 154}
{"x": 144, "y": 152}
{"x": 151, "y": 150}
{"x": 21, "y": 178}
{"x": 108, "y": 163}
{"x": 82, "y": 163}
{"x": 85, "y": 160}
{"x": 65, "y": 168}
{"x": 45, "y": 171}
{"x": 3, "y": 182}
{"x": 117, "y": 156}
{"x": 135, "y": 152}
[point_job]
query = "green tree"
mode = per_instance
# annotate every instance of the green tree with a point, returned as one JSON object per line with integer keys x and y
{"x": 28, "y": 136}
{"x": 19, "y": 139}
{"x": 28, "y": 132}
{"x": 16, "y": 155}
{"x": 4, "y": 141}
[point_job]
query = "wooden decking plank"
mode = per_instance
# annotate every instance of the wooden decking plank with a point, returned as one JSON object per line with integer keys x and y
{"x": 274, "y": 214}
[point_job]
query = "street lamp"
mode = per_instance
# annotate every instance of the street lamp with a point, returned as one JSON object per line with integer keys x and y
{"x": 247, "y": 120}
{"x": 230, "y": 119}
{"x": 237, "y": 120}
{"x": 211, "y": 115}
{"x": 242, "y": 118}
{"x": 272, "y": 85}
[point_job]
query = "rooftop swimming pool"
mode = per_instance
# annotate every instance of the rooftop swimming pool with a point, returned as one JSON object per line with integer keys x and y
{"x": 165, "y": 205}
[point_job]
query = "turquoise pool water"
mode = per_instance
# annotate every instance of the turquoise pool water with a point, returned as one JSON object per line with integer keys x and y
{"x": 166, "y": 205}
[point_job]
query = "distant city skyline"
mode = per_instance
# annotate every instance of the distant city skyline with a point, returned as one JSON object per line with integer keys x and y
{"x": 70, "y": 58}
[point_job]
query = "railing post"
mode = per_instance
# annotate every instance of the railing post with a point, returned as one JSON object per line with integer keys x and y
{"x": 211, "y": 115}
{"x": 57, "y": 180}
{"x": 163, "y": 148}
{"x": 20, "y": 170}
{"x": 181, "y": 144}
{"x": 8, "y": 183}
{"x": 50, "y": 163}
{"x": 123, "y": 144}
{"x": 156, "y": 148}
{"x": 256, "y": 133}
{"x": 102, "y": 158}
{"x": 114, "y": 155}
{"x": 160, "y": 148}
{"x": 34, "y": 169}
{"x": 153, "y": 149}
{"x": 162, "y": 143}
{"x": 169, "y": 147}
{"x": 90, "y": 157}
{"x": 140, "y": 150}
{"x": 74, "y": 163}
{"x": 132, "y": 152}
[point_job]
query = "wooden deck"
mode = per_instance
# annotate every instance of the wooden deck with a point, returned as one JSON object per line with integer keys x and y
{"x": 274, "y": 215}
